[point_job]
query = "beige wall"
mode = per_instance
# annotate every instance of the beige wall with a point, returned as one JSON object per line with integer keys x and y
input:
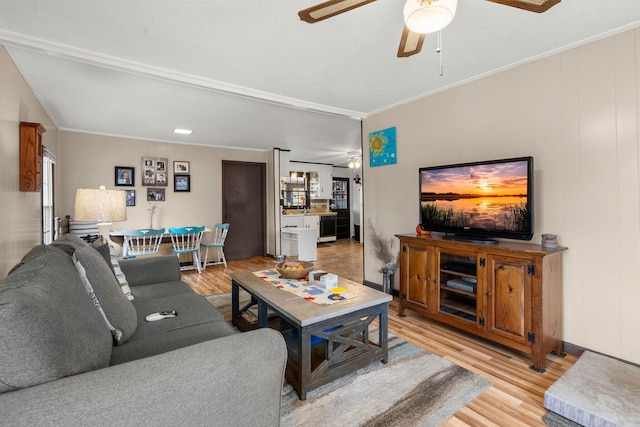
{"x": 577, "y": 114}
{"x": 20, "y": 212}
{"x": 88, "y": 161}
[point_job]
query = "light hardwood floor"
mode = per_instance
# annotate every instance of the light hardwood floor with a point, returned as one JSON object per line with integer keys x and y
{"x": 515, "y": 399}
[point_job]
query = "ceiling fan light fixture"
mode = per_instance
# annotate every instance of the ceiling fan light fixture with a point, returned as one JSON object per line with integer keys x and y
{"x": 429, "y": 16}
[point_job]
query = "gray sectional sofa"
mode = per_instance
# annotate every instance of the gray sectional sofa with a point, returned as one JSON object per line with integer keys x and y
{"x": 75, "y": 348}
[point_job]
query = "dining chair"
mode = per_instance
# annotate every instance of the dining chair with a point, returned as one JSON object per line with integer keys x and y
{"x": 186, "y": 240}
{"x": 217, "y": 244}
{"x": 142, "y": 241}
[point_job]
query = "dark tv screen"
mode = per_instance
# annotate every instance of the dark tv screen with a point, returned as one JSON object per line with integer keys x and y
{"x": 480, "y": 200}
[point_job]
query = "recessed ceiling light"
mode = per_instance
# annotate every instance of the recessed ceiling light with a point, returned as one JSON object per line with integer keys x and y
{"x": 183, "y": 131}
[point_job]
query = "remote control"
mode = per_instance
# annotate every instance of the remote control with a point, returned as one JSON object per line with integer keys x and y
{"x": 160, "y": 315}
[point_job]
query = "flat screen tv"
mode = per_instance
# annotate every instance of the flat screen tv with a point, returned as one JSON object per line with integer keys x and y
{"x": 479, "y": 201}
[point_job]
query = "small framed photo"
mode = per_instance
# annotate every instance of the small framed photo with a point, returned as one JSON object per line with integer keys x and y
{"x": 124, "y": 176}
{"x": 155, "y": 194}
{"x": 181, "y": 182}
{"x": 131, "y": 197}
{"x": 180, "y": 167}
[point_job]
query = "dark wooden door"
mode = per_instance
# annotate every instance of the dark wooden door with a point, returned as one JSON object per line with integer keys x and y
{"x": 244, "y": 208}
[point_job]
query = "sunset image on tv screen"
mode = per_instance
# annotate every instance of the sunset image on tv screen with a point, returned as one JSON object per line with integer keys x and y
{"x": 486, "y": 196}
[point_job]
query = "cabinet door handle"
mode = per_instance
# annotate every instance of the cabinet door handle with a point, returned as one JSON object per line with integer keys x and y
{"x": 488, "y": 294}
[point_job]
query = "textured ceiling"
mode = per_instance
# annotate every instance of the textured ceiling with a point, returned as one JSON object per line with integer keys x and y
{"x": 252, "y": 75}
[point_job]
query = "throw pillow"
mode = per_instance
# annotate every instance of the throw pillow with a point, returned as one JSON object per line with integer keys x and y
{"x": 103, "y": 250}
{"x": 103, "y": 288}
{"x": 122, "y": 279}
{"x": 111, "y": 255}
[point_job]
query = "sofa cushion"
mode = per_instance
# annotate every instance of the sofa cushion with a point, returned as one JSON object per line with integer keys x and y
{"x": 40, "y": 250}
{"x": 49, "y": 328}
{"x": 170, "y": 340}
{"x": 70, "y": 240}
{"x": 192, "y": 309}
{"x": 159, "y": 290}
{"x": 104, "y": 290}
{"x": 197, "y": 321}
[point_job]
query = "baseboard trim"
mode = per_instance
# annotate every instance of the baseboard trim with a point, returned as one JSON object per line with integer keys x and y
{"x": 372, "y": 285}
{"x": 378, "y": 287}
{"x": 576, "y": 350}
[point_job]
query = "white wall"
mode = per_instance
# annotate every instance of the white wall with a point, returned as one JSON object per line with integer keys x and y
{"x": 20, "y": 212}
{"x": 577, "y": 113}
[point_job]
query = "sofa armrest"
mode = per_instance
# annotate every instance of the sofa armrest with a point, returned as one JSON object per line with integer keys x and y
{"x": 154, "y": 269}
{"x": 231, "y": 381}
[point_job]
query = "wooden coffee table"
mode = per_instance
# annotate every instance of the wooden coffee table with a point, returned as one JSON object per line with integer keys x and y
{"x": 324, "y": 342}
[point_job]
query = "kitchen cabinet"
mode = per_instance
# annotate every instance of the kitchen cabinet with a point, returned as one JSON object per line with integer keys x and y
{"x": 31, "y": 156}
{"x": 292, "y": 220}
{"x": 320, "y": 182}
{"x": 313, "y": 221}
{"x": 510, "y": 293}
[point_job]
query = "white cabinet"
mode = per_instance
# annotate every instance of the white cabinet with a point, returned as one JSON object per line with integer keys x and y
{"x": 299, "y": 242}
{"x": 321, "y": 181}
{"x": 313, "y": 221}
{"x": 326, "y": 182}
{"x": 292, "y": 221}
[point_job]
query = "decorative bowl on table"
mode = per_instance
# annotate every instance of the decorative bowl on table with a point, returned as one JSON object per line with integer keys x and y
{"x": 294, "y": 269}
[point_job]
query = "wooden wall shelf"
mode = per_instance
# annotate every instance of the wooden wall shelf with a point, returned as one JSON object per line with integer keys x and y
{"x": 31, "y": 156}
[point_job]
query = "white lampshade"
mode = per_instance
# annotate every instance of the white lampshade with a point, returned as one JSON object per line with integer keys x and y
{"x": 429, "y": 16}
{"x": 100, "y": 205}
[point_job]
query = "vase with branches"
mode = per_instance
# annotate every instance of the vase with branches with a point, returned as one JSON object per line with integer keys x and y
{"x": 152, "y": 211}
{"x": 383, "y": 251}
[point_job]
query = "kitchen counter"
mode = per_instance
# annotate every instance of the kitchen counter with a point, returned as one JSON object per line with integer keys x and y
{"x": 298, "y": 213}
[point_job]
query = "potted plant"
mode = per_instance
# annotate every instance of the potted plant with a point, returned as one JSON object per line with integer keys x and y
{"x": 383, "y": 251}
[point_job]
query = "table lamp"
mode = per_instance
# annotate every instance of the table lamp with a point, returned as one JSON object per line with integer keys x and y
{"x": 102, "y": 206}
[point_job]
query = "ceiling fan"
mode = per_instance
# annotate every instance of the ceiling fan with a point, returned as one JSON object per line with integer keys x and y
{"x": 421, "y": 16}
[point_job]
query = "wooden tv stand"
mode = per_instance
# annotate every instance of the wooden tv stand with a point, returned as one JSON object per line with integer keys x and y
{"x": 509, "y": 293}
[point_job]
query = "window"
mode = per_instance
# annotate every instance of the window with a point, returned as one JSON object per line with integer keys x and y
{"x": 48, "y": 229}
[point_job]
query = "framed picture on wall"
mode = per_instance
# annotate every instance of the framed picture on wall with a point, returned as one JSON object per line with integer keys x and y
{"x": 155, "y": 194}
{"x": 181, "y": 183}
{"x": 180, "y": 167}
{"x": 154, "y": 171}
{"x": 382, "y": 147}
{"x": 131, "y": 197}
{"x": 124, "y": 176}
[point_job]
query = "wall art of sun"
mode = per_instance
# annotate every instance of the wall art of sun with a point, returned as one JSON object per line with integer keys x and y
{"x": 382, "y": 147}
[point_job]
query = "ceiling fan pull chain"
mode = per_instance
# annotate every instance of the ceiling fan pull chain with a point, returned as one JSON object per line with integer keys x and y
{"x": 439, "y": 51}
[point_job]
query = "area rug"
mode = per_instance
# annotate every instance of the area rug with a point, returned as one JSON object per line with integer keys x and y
{"x": 554, "y": 420}
{"x": 415, "y": 388}
{"x": 596, "y": 391}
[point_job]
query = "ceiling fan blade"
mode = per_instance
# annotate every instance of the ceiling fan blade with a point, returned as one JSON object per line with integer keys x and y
{"x": 537, "y": 6}
{"x": 330, "y": 8}
{"x": 410, "y": 43}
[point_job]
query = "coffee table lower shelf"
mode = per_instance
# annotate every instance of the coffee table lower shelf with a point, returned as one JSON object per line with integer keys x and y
{"x": 327, "y": 360}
